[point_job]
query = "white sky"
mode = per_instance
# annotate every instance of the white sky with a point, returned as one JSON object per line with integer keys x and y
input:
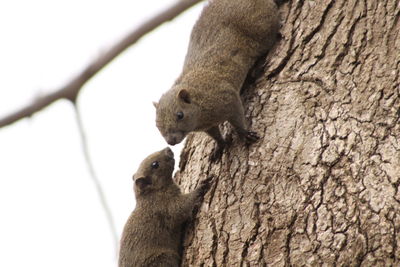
{"x": 50, "y": 211}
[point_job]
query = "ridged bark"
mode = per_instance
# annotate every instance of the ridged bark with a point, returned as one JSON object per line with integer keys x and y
{"x": 321, "y": 187}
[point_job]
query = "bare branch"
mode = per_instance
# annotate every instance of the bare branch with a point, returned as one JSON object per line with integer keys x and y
{"x": 71, "y": 90}
{"x": 95, "y": 179}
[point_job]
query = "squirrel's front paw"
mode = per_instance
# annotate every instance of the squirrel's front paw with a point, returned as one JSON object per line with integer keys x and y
{"x": 250, "y": 137}
{"x": 216, "y": 154}
{"x": 204, "y": 185}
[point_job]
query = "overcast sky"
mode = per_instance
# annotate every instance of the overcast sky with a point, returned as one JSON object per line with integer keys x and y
{"x": 50, "y": 211}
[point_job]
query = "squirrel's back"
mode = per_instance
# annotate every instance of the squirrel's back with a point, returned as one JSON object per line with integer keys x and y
{"x": 148, "y": 239}
{"x": 225, "y": 43}
{"x": 229, "y": 28}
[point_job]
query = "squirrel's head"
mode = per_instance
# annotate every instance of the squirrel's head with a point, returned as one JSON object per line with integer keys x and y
{"x": 155, "y": 172}
{"x": 176, "y": 115}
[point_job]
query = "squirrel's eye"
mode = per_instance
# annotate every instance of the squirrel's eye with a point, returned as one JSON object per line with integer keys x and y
{"x": 155, "y": 165}
{"x": 179, "y": 115}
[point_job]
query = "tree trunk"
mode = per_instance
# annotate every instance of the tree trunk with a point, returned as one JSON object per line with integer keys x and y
{"x": 321, "y": 187}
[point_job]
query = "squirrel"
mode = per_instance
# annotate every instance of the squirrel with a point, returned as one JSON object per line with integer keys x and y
{"x": 153, "y": 233}
{"x": 226, "y": 41}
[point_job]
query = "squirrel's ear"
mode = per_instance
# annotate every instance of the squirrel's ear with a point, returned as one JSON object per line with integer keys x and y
{"x": 155, "y": 104}
{"x": 184, "y": 96}
{"x": 142, "y": 182}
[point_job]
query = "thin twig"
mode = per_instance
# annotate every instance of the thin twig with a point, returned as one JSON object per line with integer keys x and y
{"x": 94, "y": 177}
{"x": 71, "y": 90}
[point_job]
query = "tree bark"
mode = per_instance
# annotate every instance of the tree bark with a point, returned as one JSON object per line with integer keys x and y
{"x": 321, "y": 186}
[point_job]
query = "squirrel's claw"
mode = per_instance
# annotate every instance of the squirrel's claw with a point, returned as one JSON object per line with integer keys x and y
{"x": 205, "y": 185}
{"x": 216, "y": 155}
{"x": 251, "y": 137}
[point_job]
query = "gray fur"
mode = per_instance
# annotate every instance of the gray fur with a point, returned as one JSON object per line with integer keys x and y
{"x": 228, "y": 38}
{"x": 153, "y": 233}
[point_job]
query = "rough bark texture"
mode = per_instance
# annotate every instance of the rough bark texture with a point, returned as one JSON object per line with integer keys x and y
{"x": 321, "y": 187}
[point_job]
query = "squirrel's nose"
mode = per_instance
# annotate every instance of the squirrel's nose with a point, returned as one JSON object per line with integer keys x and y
{"x": 172, "y": 141}
{"x": 169, "y": 152}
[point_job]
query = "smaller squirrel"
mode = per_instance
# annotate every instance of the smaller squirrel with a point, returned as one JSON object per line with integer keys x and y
{"x": 225, "y": 42}
{"x": 153, "y": 233}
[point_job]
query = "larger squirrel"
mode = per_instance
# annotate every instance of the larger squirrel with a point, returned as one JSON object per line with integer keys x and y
{"x": 153, "y": 233}
{"x": 226, "y": 41}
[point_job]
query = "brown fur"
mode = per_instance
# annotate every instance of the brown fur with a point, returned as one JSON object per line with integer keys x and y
{"x": 153, "y": 232}
{"x": 225, "y": 43}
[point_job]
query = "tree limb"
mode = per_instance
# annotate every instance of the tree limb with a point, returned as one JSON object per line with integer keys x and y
{"x": 95, "y": 179}
{"x": 71, "y": 90}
